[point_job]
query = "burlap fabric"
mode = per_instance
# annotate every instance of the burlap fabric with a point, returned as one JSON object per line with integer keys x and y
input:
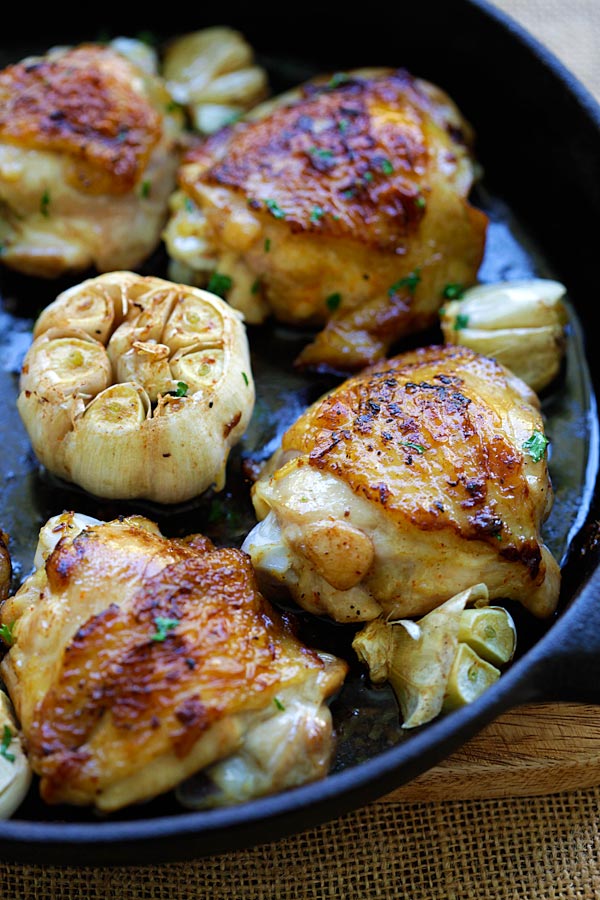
{"x": 530, "y": 848}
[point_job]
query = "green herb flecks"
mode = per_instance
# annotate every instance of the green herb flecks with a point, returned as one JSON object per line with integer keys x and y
{"x": 267, "y": 244}
{"x": 333, "y": 302}
{"x": 461, "y": 321}
{"x": 45, "y": 203}
{"x": 418, "y": 448}
{"x": 246, "y": 379}
{"x": 189, "y": 205}
{"x": 278, "y": 703}
{"x": 255, "y": 287}
{"x": 536, "y": 445}
{"x": 7, "y": 738}
{"x": 275, "y": 209}
{"x": 421, "y": 202}
{"x": 163, "y": 626}
{"x": 316, "y": 214}
{"x": 338, "y": 79}
{"x": 386, "y": 167}
{"x": 145, "y": 189}
{"x": 321, "y": 152}
{"x": 453, "y": 292}
{"x": 219, "y": 284}
{"x": 410, "y": 282}
{"x": 181, "y": 389}
{"x": 6, "y": 633}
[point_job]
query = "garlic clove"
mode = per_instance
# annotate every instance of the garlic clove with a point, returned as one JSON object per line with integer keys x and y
{"x": 521, "y": 324}
{"x": 63, "y": 363}
{"x": 469, "y": 677}
{"x": 198, "y": 369}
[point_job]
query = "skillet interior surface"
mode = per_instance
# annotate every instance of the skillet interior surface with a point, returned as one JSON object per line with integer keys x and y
{"x": 536, "y": 140}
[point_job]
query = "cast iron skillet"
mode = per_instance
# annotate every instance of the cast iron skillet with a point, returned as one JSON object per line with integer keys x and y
{"x": 539, "y": 141}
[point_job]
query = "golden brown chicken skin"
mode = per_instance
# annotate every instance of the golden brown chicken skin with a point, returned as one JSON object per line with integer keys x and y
{"x": 344, "y": 205}
{"x": 408, "y": 483}
{"x": 138, "y": 660}
{"x": 88, "y": 155}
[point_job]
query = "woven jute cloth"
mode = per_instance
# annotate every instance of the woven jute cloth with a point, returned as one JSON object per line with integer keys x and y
{"x": 516, "y": 848}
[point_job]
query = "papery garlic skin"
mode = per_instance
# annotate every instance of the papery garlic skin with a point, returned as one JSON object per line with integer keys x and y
{"x": 137, "y": 387}
{"x": 213, "y": 74}
{"x": 521, "y": 324}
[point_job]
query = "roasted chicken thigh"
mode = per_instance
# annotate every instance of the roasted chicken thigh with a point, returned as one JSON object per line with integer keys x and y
{"x": 138, "y": 660}
{"x": 342, "y": 204}
{"x": 89, "y": 148}
{"x": 406, "y": 484}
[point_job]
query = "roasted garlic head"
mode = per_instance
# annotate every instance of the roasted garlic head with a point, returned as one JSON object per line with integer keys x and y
{"x": 137, "y": 387}
{"x": 213, "y": 74}
{"x": 520, "y": 323}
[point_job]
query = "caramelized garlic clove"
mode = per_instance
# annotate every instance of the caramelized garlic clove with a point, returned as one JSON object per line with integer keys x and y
{"x": 194, "y": 321}
{"x": 521, "y": 324}
{"x": 212, "y": 71}
{"x": 490, "y": 632}
{"x": 65, "y": 363}
{"x": 469, "y": 677}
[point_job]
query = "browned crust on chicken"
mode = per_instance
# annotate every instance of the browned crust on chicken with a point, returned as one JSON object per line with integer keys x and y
{"x": 82, "y": 103}
{"x": 418, "y": 437}
{"x": 324, "y": 164}
{"x": 225, "y": 650}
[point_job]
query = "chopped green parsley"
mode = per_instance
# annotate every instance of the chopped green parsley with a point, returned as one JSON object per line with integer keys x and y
{"x": 333, "y": 301}
{"x": 7, "y": 737}
{"x": 453, "y": 292}
{"x": 219, "y": 284}
{"x": 410, "y": 281}
{"x": 316, "y": 214}
{"x": 163, "y": 626}
{"x": 461, "y": 321}
{"x": 278, "y": 703}
{"x": 6, "y": 633}
{"x": 386, "y": 167}
{"x": 145, "y": 189}
{"x": 536, "y": 445}
{"x": 181, "y": 390}
{"x": 45, "y": 203}
{"x": 275, "y": 209}
{"x": 418, "y": 448}
{"x": 245, "y": 377}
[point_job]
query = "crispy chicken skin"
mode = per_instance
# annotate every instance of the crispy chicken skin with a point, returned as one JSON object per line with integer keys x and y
{"x": 343, "y": 204}
{"x": 89, "y": 148}
{"x": 139, "y": 660}
{"x": 407, "y": 484}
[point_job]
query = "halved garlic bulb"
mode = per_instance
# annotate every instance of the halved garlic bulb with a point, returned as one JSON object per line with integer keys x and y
{"x": 137, "y": 387}
{"x": 213, "y": 74}
{"x": 442, "y": 661}
{"x": 519, "y": 323}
